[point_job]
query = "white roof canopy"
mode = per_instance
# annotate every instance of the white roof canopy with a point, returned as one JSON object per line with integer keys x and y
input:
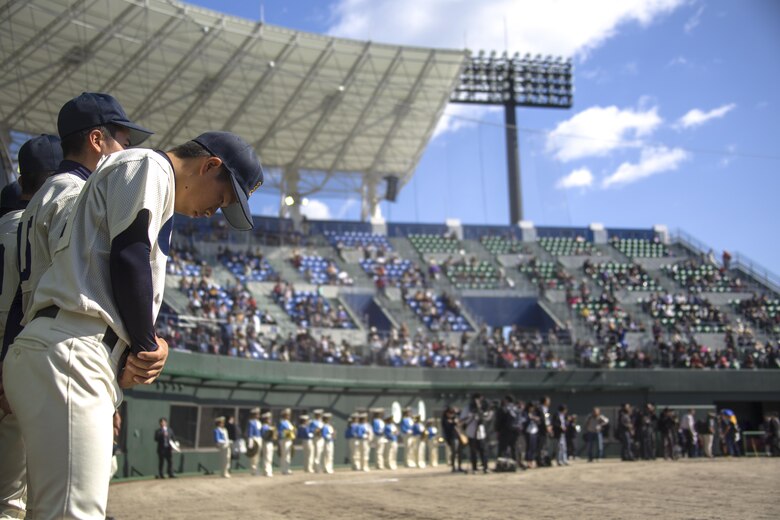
{"x": 334, "y": 110}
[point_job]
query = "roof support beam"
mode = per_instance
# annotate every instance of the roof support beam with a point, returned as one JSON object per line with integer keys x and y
{"x": 360, "y": 122}
{"x": 130, "y": 66}
{"x": 257, "y": 87}
{"x": 209, "y": 33}
{"x": 210, "y": 84}
{"x": 43, "y": 36}
{"x": 330, "y": 106}
{"x": 71, "y": 61}
{"x": 402, "y": 111}
{"x": 295, "y": 96}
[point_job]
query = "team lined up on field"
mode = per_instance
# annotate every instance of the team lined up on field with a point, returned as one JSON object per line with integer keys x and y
{"x": 316, "y": 435}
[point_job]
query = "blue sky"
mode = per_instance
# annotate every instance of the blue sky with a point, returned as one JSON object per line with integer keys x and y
{"x": 676, "y": 117}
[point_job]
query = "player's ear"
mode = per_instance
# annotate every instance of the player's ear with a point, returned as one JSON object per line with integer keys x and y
{"x": 95, "y": 140}
{"x": 211, "y": 165}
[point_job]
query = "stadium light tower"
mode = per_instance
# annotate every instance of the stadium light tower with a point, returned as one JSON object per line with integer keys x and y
{"x": 543, "y": 82}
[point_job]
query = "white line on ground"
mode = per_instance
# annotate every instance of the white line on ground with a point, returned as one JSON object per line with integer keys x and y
{"x": 349, "y": 481}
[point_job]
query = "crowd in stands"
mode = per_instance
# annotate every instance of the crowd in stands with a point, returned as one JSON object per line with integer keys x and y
{"x": 615, "y": 276}
{"x": 471, "y": 273}
{"x": 697, "y": 276}
{"x": 546, "y": 275}
{"x": 439, "y": 313}
{"x": 687, "y": 312}
{"x": 606, "y": 317}
{"x": 518, "y": 349}
{"x": 246, "y": 266}
{"x": 393, "y": 271}
{"x": 503, "y": 246}
{"x": 310, "y": 308}
{"x": 762, "y": 311}
{"x": 402, "y": 349}
{"x": 319, "y": 270}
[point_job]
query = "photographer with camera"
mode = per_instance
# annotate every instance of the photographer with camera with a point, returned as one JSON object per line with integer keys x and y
{"x": 475, "y": 418}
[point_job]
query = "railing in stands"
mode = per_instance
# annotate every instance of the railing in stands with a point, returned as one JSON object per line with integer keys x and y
{"x": 738, "y": 260}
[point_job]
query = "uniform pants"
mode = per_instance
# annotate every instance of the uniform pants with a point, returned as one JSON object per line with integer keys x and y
{"x": 433, "y": 452}
{"x": 60, "y": 380}
{"x": 354, "y": 454}
{"x": 391, "y": 454}
{"x": 409, "y": 452}
{"x": 319, "y": 447}
{"x": 379, "y": 450}
{"x": 327, "y": 456}
{"x": 268, "y": 458}
{"x": 308, "y": 455}
{"x": 224, "y": 459}
{"x": 706, "y": 441}
{"x": 13, "y": 472}
{"x": 364, "y": 454}
{"x": 562, "y": 451}
{"x": 419, "y": 445}
{"x": 254, "y": 461}
{"x": 285, "y": 447}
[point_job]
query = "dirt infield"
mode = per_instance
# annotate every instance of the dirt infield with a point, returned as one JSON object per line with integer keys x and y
{"x": 689, "y": 489}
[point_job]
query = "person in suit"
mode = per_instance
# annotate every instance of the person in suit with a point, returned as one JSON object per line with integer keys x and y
{"x": 164, "y": 436}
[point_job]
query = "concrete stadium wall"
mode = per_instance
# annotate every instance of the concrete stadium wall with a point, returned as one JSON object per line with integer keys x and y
{"x": 208, "y": 381}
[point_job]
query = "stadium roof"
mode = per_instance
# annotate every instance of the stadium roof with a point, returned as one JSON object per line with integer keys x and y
{"x": 335, "y": 110}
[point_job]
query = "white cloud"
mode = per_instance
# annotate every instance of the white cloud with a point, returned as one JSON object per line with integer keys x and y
{"x": 696, "y": 117}
{"x": 563, "y": 27}
{"x": 597, "y": 131}
{"x": 316, "y": 210}
{"x": 694, "y": 20}
{"x": 651, "y": 161}
{"x": 677, "y": 60}
{"x": 344, "y": 209}
{"x": 579, "y": 178}
{"x": 458, "y": 116}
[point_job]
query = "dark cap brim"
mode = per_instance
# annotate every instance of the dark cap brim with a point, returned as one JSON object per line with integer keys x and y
{"x": 238, "y": 214}
{"x": 138, "y": 134}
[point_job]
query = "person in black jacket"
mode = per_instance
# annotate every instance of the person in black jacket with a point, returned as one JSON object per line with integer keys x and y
{"x": 506, "y": 419}
{"x": 164, "y": 436}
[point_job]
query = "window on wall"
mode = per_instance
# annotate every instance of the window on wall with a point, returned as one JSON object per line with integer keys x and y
{"x": 183, "y": 421}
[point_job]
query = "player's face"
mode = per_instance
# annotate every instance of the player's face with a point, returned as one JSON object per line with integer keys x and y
{"x": 207, "y": 189}
{"x": 115, "y": 143}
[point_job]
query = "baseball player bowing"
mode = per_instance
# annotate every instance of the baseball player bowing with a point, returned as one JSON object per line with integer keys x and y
{"x": 98, "y": 302}
{"x": 38, "y": 158}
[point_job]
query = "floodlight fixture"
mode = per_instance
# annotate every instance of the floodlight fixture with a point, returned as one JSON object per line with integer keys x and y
{"x": 541, "y": 82}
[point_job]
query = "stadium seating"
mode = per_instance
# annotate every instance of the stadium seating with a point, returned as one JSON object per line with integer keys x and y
{"x": 565, "y": 246}
{"x": 439, "y": 313}
{"x": 640, "y": 248}
{"x": 473, "y": 275}
{"x": 356, "y": 239}
{"x": 549, "y": 274}
{"x": 247, "y": 267}
{"x": 319, "y": 270}
{"x": 309, "y": 309}
{"x": 424, "y": 243}
{"x": 503, "y": 246}
{"x": 695, "y": 314}
{"x": 762, "y": 311}
{"x": 703, "y": 277}
{"x": 397, "y": 273}
{"x": 614, "y": 276}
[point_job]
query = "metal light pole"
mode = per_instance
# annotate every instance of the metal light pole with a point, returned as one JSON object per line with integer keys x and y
{"x": 515, "y": 82}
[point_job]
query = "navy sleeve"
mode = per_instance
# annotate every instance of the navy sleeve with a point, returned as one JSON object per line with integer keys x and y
{"x": 131, "y": 282}
{"x": 13, "y": 324}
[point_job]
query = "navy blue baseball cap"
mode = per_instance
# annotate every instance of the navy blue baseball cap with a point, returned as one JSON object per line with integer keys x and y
{"x": 40, "y": 154}
{"x": 246, "y": 172}
{"x": 92, "y": 109}
{"x": 10, "y": 197}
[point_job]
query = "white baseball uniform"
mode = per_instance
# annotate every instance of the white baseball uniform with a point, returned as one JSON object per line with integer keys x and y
{"x": 61, "y": 373}
{"x": 13, "y": 478}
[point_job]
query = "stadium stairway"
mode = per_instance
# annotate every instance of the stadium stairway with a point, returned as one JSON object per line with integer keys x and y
{"x": 175, "y": 299}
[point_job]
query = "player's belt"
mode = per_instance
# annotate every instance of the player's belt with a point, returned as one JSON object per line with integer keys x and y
{"x": 109, "y": 337}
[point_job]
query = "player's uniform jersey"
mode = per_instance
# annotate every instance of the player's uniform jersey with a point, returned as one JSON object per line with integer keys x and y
{"x": 9, "y": 270}
{"x": 79, "y": 279}
{"x": 41, "y": 226}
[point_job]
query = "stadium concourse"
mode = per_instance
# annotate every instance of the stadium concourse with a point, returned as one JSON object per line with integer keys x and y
{"x": 428, "y": 295}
